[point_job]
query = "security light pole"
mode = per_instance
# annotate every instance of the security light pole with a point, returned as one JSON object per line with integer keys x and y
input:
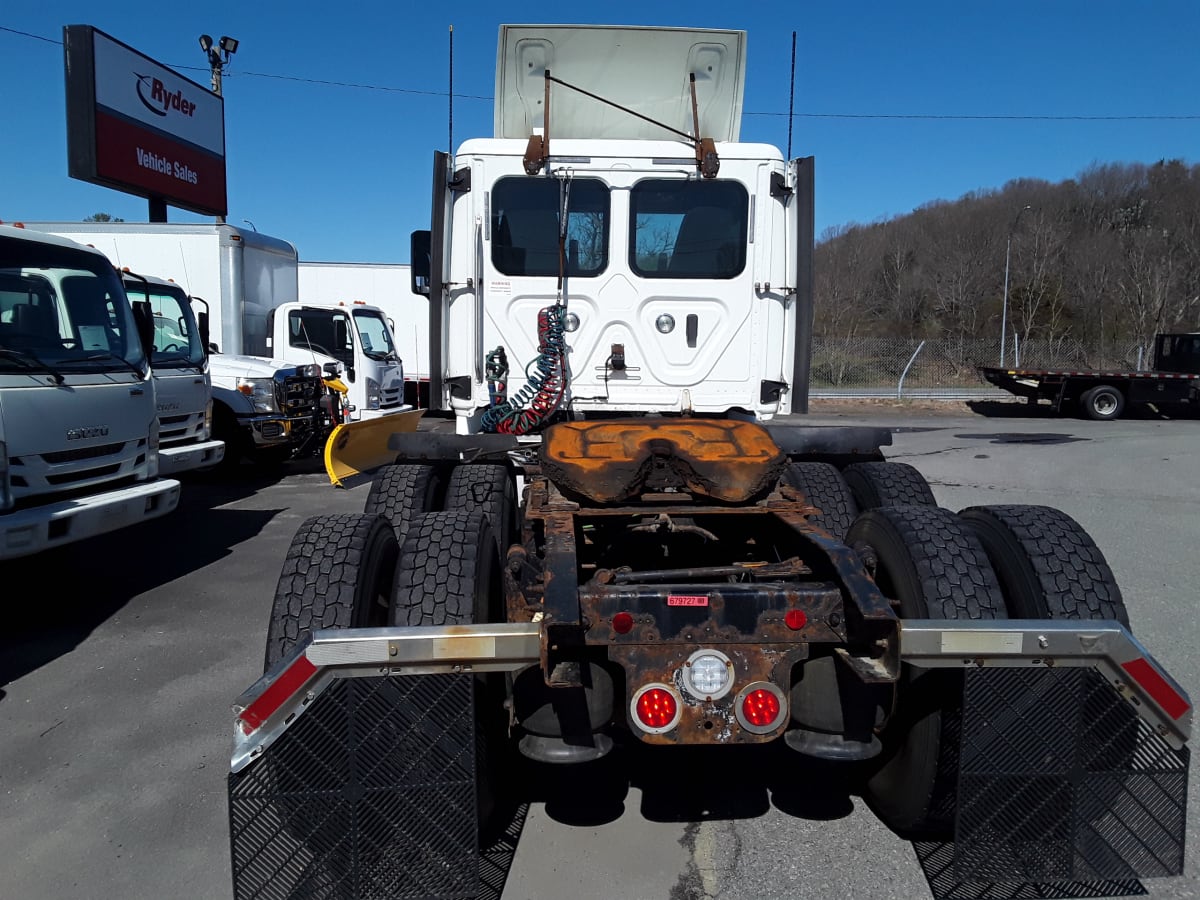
{"x": 218, "y": 59}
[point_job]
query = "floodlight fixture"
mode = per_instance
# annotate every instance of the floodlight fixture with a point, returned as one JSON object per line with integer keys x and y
{"x": 229, "y": 45}
{"x": 205, "y": 43}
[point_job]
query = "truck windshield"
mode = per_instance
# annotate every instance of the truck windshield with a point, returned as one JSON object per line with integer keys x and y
{"x": 374, "y": 333}
{"x": 322, "y": 331}
{"x": 688, "y": 229}
{"x": 176, "y": 335}
{"x": 525, "y": 226}
{"x": 63, "y": 310}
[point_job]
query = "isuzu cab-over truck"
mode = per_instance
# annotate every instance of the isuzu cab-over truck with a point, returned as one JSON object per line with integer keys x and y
{"x": 619, "y": 303}
{"x": 182, "y": 384}
{"x": 79, "y": 430}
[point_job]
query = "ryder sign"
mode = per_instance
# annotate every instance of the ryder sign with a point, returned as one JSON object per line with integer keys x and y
{"x": 137, "y": 126}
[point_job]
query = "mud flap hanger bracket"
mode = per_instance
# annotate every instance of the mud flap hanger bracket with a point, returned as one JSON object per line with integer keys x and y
{"x": 268, "y": 708}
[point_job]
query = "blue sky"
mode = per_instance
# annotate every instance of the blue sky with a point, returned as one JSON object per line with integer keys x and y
{"x": 344, "y": 172}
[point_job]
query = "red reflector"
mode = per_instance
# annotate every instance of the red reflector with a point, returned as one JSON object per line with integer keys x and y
{"x": 1172, "y": 702}
{"x": 795, "y": 619}
{"x": 656, "y": 708}
{"x": 291, "y": 680}
{"x": 622, "y": 623}
{"x": 760, "y": 708}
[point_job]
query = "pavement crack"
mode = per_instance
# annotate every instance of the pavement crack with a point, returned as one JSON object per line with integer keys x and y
{"x": 52, "y": 727}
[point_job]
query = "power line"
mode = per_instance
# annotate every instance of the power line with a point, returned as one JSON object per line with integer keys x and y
{"x": 947, "y": 117}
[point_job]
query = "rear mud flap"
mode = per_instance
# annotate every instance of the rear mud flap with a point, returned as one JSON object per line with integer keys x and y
{"x": 371, "y": 793}
{"x": 1063, "y": 791}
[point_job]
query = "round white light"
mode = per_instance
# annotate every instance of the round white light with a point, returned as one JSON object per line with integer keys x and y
{"x": 665, "y": 323}
{"x": 709, "y": 674}
{"x": 571, "y": 323}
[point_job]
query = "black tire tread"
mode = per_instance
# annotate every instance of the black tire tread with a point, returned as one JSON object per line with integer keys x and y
{"x": 487, "y": 486}
{"x": 439, "y": 562}
{"x": 320, "y": 584}
{"x": 1064, "y": 574}
{"x": 876, "y": 484}
{"x": 957, "y": 581}
{"x": 825, "y": 488}
{"x": 947, "y": 571}
{"x": 403, "y": 492}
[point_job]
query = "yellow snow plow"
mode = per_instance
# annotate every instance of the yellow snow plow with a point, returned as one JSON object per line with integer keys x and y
{"x": 356, "y": 448}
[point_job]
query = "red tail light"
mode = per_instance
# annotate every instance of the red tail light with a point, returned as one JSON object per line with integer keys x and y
{"x": 656, "y": 708}
{"x": 760, "y": 707}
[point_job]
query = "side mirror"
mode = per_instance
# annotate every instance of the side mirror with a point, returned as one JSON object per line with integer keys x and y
{"x": 144, "y": 317}
{"x": 421, "y": 269}
{"x": 213, "y": 348}
{"x": 202, "y": 323}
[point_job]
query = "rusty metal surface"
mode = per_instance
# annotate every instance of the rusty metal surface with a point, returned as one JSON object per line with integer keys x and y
{"x": 705, "y": 721}
{"x": 609, "y": 462}
{"x": 688, "y": 577}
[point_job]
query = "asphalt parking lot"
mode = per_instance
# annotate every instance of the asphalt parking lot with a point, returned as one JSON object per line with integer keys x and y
{"x": 119, "y": 659}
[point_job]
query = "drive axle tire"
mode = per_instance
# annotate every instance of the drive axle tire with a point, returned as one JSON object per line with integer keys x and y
{"x": 1103, "y": 403}
{"x": 402, "y": 493}
{"x": 489, "y": 487}
{"x": 449, "y": 574}
{"x": 877, "y": 484}
{"x": 825, "y": 488}
{"x": 929, "y": 563}
{"x": 1047, "y": 564}
{"x": 337, "y": 574}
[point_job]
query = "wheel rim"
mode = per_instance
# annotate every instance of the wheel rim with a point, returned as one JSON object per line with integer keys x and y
{"x": 1104, "y": 404}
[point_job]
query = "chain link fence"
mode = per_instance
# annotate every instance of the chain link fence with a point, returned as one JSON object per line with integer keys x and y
{"x": 946, "y": 367}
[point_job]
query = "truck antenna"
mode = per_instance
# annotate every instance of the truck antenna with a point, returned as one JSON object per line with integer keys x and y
{"x": 791, "y": 95}
{"x": 450, "y": 148}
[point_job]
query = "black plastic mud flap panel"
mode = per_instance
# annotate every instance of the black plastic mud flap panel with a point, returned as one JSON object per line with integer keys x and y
{"x": 371, "y": 793}
{"x": 1061, "y": 785}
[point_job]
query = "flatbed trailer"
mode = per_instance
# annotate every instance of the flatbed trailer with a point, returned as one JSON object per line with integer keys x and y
{"x": 1172, "y": 383}
{"x": 1101, "y": 395}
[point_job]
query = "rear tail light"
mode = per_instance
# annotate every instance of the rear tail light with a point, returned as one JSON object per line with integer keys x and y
{"x": 760, "y": 707}
{"x": 656, "y": 708}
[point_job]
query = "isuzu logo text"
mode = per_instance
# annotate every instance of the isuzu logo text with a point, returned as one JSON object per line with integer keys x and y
{"x": 160, "y": 99}
{"x": 90, "y": 431}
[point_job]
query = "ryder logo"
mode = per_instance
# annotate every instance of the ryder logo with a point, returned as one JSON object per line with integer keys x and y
{"x": 160, "y": 99}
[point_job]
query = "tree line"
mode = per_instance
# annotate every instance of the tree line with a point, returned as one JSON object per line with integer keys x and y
{"x": 1111, "y": 255}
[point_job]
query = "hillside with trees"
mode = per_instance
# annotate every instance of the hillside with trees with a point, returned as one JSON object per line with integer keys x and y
{"x": 1111, "y": 256}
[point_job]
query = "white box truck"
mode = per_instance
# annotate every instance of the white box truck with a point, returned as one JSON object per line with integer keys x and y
{"x": 79, "y": 432}
{"x": 246, "y": 282}
{"x": 389, "y": 287}
{"x": 264, "y": 409}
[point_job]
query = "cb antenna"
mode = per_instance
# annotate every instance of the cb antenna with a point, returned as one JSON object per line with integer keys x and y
{"x": 450, "y": 149}
{"x": 791, "y": 96}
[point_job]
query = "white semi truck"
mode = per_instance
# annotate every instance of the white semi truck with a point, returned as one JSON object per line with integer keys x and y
{"x": 79, "y": 430}
{"x": 387, "y": 286}
{"x": 617, "y": 318}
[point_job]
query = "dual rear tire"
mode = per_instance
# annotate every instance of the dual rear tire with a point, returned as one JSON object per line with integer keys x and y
{"x": 989, "y": 562}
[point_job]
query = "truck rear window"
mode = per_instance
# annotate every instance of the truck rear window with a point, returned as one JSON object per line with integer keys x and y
{"x": 688, "y": 229}
{"x": 525, "y": 226}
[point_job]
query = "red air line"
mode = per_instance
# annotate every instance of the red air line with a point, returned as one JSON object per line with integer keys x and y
{"x": 281, "y": 690}
{"x": 1159, "y": 689}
